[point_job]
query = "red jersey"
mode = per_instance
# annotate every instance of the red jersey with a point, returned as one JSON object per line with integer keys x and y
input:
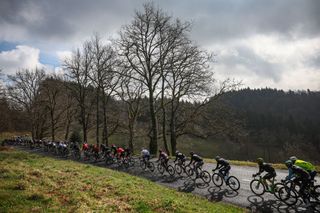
{"x": 120, "y": 150}
{"x": 85, "y": 146}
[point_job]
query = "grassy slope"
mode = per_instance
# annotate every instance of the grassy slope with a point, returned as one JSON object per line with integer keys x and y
{"x": 35, "y": 183}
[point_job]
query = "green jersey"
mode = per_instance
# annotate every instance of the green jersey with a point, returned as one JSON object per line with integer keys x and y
{"x": 305, "y": 165}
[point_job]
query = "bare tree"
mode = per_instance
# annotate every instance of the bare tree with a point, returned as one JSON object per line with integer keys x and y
{"x": 24, "y": 89}
{"x": 54, "y": 101}
{"x": 131, "y": 92}
{"x": 78, "y": 68}
{"x": 104, "y": 79}
{"x": 143, "y": 45}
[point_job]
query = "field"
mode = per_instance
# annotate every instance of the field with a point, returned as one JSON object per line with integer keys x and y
{"x": 33, "y": 183}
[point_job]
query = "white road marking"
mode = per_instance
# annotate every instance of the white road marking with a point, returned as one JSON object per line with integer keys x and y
{"x": 247, "y": 180}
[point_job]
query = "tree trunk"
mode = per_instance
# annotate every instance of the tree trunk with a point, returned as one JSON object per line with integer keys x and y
{"x": 105, "y": 127}
{"x": 153, "y": 146}
{"x": 131, "y": 135}
{"x": 84, "y": 126}
{"x": 52, "y": 130}
{"x": 173, "y": 136}
{"x": 66, "y": 136}
{"x": 164, "y": 127}
{"x": 98, "y": 117}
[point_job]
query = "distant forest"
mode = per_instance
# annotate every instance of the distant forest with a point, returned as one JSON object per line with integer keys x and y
{"x": 281, "y": 123}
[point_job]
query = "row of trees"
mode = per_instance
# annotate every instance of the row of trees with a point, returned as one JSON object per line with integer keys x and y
{"x": 153, "y": 69}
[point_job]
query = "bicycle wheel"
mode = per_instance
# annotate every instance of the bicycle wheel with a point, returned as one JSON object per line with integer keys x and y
{"x": 109, "y": 160}
{"x": 170, "y": 170}
{"x": 217, "y": 179}
{"x": 205, "y": 176}
{"x": 257, "y": 187}
{"x": 160, "y": 168}
{"x": 178, "y": 169}
{"x": 151, "y": 166}
{"x": 190, "y": 172}
{"x": 143, "y": 164}
{"x": 276, "y": 188}
{"x": 125, "y": 162}
{"x": 288, "y": 196}
{"x": 294, "y": 188}
{"x": 316, "y": 193}
{"x": 233, "y": 183}
{"x": 131, "y": 162}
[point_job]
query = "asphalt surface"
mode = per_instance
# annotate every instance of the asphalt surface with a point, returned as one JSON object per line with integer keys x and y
{"x": 243, "y": 197}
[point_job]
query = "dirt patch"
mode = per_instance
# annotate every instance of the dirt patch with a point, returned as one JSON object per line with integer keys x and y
{"x": 6, "y": 148}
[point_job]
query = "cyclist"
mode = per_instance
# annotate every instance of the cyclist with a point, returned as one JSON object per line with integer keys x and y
{"x": 127, "y": 152}
{"x": 197, "y": 162}
{"x": 180, "y": 157}
{"x": 120, "y": 153}
{"x": 114, "y": 149}
{"x": 309, "y": 167}
{"x": 85, "y": 149}
{"x": 301, "y": 176}
{"x": 85, "y": 146}
{"x": 163, "y": 158}
{"x": 223, "y": 166}
{"x": 265, "y": 167}
{"x": 145, "y": 154}
{"x": 105, "y": 150}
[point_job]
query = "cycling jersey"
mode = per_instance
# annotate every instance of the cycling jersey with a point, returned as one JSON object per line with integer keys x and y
{"x": 196, "y": 158}
{"x": 85, "y": 146}
{"x": 96, "y": 148}
{"x": 163, "y": 156}
{"x": 222, "y": 163}
{"x": 266, "y": 167}
{"x": 145, "y": 152}
{"x": 180, "y": 156}
{"x": 114, "y": 150}
{"x": 305, "y": 165}
{"x": 120, "y": 150}
{"x": 301, "y": 173}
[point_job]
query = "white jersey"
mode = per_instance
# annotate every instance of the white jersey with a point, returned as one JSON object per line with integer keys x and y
{"x": 145, "y": 152}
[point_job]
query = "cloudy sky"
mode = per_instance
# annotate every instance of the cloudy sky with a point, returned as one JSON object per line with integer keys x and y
{"x": 263, "y": 43}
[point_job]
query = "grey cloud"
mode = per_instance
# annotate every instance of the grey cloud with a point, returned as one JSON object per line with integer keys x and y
{"x": 248, "y": 58}
{"x": 213, "y": 19}
{"x": 314, "y": 61}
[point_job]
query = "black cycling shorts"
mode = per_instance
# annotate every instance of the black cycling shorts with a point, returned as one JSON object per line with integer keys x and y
{"x": 269, "y": 176}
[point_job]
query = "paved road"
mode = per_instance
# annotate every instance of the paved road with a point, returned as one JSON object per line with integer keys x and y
{"x": 244, "y": 197}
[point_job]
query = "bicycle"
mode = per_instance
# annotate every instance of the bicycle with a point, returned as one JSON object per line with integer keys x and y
{"x": 218, "y": 178}
{"x": 162, "y": 167}
{"x": 290, "y": 193}
{"x": 144, "y": 164}
{"x": 128, "y": 162}
{"x": 180, "y": 167}
{"x": 199, "y": 173}
{"x": 258, "y": 186}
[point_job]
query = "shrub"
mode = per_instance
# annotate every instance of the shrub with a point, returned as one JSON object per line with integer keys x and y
{"x": 75, "y": 137}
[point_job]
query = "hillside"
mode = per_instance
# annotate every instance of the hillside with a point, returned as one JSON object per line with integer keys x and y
{"x": 31, "y": 183}
{"x": 280, "y": 123}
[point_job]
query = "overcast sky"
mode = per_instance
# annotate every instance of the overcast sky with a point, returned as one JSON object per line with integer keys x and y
{"x": 263, "y": 43}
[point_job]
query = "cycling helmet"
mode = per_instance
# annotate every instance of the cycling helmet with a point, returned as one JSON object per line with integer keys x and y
{"x": 177, "y": 152}
{"x": 191, "y": 153}
{"x": 288, "y": 163}
{"x": 260, "y": 160}
{"x": 293, "y": 158}
{"x": 218, "y": 158}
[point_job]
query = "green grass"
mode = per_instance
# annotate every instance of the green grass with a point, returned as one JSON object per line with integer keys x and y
{"x": 33, "y": 183}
